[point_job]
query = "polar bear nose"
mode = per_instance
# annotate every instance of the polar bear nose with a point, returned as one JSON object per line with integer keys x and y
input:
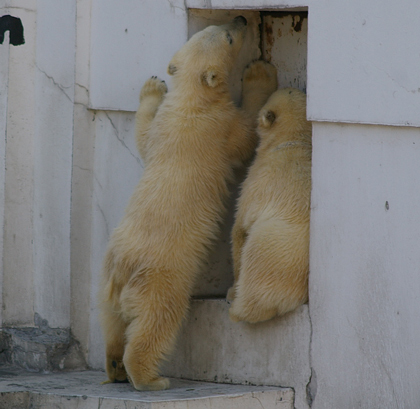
{"x": 240, "y": 20}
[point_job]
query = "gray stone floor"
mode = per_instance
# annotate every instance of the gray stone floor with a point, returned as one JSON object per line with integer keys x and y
{"x": 83, "y": 390}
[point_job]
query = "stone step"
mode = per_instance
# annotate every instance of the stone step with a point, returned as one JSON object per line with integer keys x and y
{"x": 214, "y": 349}
{"x": 83, "y": 390}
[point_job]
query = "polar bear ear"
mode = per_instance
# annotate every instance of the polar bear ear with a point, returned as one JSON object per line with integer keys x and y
{"x": 211, "y": 77}
{"x": 267, "y": 118}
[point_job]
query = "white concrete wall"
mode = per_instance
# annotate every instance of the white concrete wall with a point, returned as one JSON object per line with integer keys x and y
{"x": 248, "y": 4}
{"x": 365, "y": 281}
{"x": 18, "y": 187}
{"x": 131, "y": 41}
{"x": 4, "y": 82}
{"x": 82, "y": 182}
{"x": 363, "y": 62}
{"x": 38, "y": 161}
{"x": 53, "y": 146}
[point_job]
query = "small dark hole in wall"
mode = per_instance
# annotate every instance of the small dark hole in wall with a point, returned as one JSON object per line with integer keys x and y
{"x": 14, "y": 26}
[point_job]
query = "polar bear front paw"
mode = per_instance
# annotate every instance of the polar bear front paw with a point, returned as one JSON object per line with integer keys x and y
{"x": 262, "y": 75}
{"x": 154, "y": 87}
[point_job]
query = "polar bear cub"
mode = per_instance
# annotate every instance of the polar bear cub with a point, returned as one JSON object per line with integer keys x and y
{"x": 189, "y": 138}
{"x": 271, "y": 231}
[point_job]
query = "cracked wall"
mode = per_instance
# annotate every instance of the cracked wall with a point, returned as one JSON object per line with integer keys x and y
{"x": 53, "y": 146}
{"x": 19, "y": 125}
{"x": 44, "y": 107}
{"x": 37, "y": 167}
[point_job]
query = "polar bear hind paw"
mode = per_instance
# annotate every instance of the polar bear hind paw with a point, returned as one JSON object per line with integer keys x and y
{"x": 157, "y": 384}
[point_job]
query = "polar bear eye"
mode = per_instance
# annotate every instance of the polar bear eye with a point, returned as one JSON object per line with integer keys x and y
{"x": 270, "y": 116}
{"x": 229, "y": 38}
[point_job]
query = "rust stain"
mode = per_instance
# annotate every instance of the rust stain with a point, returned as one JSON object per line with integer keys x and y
{"x": 297, "y": 23}
{"x": 279, "y": 33}
{"x": 269, "y": 40}
{"x": 269, "y": 33}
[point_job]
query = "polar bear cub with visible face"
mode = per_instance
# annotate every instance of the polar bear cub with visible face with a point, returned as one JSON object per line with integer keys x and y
{"x": 190, "y": 138}
{"x": 271, "y": 231}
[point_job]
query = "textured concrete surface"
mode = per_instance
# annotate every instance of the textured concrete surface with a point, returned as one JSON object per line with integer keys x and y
{"x": 40, "y": 348}
{"x": 212, "y": 348}
{"x": 83, "y": 390}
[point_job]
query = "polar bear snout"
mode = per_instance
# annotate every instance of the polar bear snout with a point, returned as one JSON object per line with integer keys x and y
{"x": 240, "y": 20}
{"x": 236, "y": 31}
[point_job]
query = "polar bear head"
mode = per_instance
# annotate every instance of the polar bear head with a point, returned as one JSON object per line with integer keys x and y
{"x": 208, "y": 57}
{"x": 284, "y": 114}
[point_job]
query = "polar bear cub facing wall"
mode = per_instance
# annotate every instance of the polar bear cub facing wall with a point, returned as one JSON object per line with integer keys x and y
{"x": 271, "y": 231}
{"x": 190, "y": 138}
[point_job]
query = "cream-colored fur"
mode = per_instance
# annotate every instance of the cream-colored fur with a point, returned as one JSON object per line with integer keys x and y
{"x": 271, "y": 231}
{"x": 189, "y": 139}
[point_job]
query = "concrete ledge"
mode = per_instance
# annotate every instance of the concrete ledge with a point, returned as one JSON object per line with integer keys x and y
{"x": 212, "y": 348}
{"x": 83, "y": 390}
